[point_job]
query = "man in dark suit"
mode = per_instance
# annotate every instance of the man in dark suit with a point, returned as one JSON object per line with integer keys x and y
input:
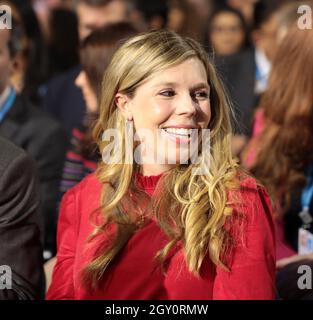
{"x": 34, "y": 131}
{"x": 20, "y": 243}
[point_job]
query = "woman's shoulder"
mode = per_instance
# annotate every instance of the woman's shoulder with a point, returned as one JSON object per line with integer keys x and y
{"x": 87, "y": 189}
{"x": 79, "y": 202}
{"x": 88, "y": 183}
{"x": 248, "y": 185}
{"x": 252, "y": 200}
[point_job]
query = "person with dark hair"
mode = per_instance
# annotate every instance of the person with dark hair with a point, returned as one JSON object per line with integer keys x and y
{"x": 63, "y": 46}
{"x": 20, "y": 226}
{"x": 246, "y": 7}
{"x": 153, "y": 12}
{"x": 32, "y": 69}
{"x": 202, "y": 9}
{"x": 95, "y": 55}
{"x": 93, "y": 14}
{"x": 245, "y": 74}
{"x": 183, "y": 19}
{"x": 227, "y": 32}
{"x": 265, "y": 39}
{"x": 63, "y": 99}
{"x": 33, "y": 130}
{"x": 43, "y": 9}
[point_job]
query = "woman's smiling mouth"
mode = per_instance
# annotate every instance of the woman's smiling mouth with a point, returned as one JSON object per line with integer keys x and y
{"x": 179, "y": 134}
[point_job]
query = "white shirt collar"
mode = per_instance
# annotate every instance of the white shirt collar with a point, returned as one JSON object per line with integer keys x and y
{"x": 263, "y": 66}
{"x": 4, "y": 95}
{"x": 262, "y": 62}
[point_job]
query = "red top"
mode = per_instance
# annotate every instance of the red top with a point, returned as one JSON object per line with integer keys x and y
{"x": 133, "y": 275}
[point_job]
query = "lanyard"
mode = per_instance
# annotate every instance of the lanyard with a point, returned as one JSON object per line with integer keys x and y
{"x": 307, "y": 193}
{"x": 306, "y": 198}
{"x": 7, "y": 105}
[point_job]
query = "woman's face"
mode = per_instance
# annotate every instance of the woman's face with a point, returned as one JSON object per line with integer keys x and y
{"x": 227, "y": 35}
{"x": 89, "y": 95}
{"x": 169, "y": 104}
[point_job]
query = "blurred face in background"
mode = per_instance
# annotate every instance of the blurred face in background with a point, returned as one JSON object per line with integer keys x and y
{"x": 91, "y": 18}
{"x": 6, "y": 66}
{"x": 266, "y": 38}
{"x": 89, "y": 95}
{"x": 175, "y": 19}
{"x": 246, "y": 7}
{"x": 227, "y": 34}
{"x": 202, "y": 7}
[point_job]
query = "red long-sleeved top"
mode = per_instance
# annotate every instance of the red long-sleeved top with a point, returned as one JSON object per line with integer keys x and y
{"x": 133, "y": 275}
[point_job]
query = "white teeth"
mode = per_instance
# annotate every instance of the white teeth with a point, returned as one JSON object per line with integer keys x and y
{"x": 179, "y": 131}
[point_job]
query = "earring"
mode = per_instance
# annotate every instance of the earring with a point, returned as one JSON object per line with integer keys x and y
{"x": 129, "y": 117}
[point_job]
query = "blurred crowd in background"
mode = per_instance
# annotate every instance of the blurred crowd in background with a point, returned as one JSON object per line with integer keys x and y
{"x": 59, "y": 50}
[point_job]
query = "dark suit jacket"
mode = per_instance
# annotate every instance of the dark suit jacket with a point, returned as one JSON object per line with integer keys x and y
{"x": 43, "y": 138}
{"x": 64, "y": 100}
{"x": 238, "y": 75}
{"x": 20, "y": 245}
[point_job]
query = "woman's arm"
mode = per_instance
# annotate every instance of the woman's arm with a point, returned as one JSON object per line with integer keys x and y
{"x": 62, "y": 285}
{"x": 252, "y": 273}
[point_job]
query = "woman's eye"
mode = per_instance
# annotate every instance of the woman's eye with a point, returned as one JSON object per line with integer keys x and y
{"x": 167, "y": 93}
{"x": 200, "y": 95}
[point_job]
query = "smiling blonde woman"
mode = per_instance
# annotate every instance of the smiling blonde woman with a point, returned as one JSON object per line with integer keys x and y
{"x": 157, "y": 230}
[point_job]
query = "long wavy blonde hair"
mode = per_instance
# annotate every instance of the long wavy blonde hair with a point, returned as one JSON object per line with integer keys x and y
{"x": 190, "y": 209}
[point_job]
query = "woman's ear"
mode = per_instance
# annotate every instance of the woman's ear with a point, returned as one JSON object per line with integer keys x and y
{"x": 123, "y": 103}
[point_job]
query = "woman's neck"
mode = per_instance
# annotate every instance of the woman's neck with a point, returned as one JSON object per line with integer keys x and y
{"x": 154, "y": 169}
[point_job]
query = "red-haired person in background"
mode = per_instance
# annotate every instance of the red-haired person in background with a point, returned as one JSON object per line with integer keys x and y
{"x": 280, "y": 153}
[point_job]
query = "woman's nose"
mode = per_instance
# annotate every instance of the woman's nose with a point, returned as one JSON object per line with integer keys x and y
{"x": 186, "y": 105}
{"x": 79, "y": 79}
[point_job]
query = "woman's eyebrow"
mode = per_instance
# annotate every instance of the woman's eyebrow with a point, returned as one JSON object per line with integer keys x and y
{"x": 165, "y": 84}
{"x": 201, "y": 85}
